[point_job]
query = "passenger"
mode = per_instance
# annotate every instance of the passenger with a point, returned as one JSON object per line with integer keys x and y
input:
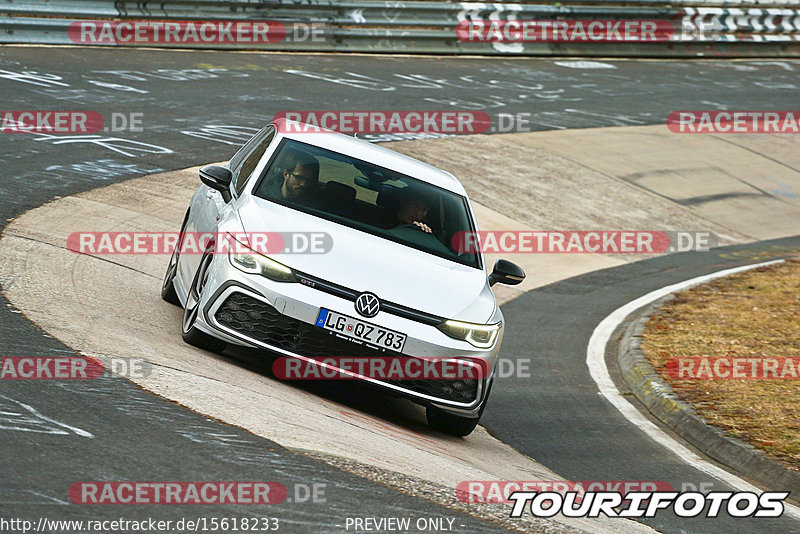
{"x": 298, "y": 180}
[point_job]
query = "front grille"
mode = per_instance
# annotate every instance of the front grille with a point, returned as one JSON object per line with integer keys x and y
{"x": 258, "y": 320}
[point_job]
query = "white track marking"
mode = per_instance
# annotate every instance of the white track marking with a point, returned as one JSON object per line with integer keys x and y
{"x": 584, "y": 64}
{"x": 595, "y": 360}
{"x": 38, "y": 418}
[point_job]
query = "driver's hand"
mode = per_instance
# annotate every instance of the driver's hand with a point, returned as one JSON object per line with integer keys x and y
{"x": 422, "y": 226}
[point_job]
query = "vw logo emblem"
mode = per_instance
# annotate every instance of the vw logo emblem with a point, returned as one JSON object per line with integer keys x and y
{"x": 368, "y": 305}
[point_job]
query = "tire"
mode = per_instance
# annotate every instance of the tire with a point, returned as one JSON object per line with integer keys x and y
{"x": 190, "y": 334}
{"x": 168, "y": 287}
{"x": 168, "y": 292}
{"x": 453, "y": 424}
{"x": 450, "y": 424}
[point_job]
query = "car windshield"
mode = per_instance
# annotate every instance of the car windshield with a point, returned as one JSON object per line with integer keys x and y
{"x": 369, "y": 198}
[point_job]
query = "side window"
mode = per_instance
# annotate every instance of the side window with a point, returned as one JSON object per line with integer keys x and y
{"x": 236, "y": 161}
{"x": 246, "y": 160}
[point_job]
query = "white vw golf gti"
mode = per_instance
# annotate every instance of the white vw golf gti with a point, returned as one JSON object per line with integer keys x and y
{"x": 388, "y": 280}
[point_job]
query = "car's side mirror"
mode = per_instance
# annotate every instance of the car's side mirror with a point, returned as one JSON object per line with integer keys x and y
{"x": 507, "y": 273}
{"x": 218, "y": 178}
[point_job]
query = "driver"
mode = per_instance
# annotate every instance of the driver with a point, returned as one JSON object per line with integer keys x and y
{"x": 414, "y": 206}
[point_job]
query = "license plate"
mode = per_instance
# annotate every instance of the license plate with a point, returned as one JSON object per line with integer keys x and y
{"x": 357, "y": 329}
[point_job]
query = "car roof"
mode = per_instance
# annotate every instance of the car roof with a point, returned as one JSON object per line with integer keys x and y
{"x": 371, "y": 153}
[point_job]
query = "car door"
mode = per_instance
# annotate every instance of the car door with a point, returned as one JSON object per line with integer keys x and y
{"x": 207, "y": 203}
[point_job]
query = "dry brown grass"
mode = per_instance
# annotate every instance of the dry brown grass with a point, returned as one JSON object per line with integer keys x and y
{"x": 754, "y": 314}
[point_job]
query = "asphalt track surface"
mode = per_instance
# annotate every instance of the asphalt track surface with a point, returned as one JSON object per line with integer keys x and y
{"x": 200, "y": 106}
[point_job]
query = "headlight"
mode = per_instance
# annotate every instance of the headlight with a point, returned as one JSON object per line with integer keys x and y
{"x": 479, "y": 335}
{"x": 250, "y": 262}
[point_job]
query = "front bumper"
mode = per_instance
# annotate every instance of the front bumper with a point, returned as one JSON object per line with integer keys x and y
{"x": 253, "y": 311}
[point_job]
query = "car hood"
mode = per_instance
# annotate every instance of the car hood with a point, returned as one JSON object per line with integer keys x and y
{"x": 364, "y": 262}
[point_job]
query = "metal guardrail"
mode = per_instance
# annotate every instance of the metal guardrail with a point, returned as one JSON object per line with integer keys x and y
{"x": 727, "y": 28}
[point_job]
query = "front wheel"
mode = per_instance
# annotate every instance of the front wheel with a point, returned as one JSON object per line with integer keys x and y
{"x": 190, "y": 334}
{"x": 455, "y": 425}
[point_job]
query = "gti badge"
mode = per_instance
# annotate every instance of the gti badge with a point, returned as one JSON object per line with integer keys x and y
{"x": 368, "y": 305}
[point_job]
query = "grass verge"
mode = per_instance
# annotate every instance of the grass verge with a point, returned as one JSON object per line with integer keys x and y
{"x": 756, "y": 315}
